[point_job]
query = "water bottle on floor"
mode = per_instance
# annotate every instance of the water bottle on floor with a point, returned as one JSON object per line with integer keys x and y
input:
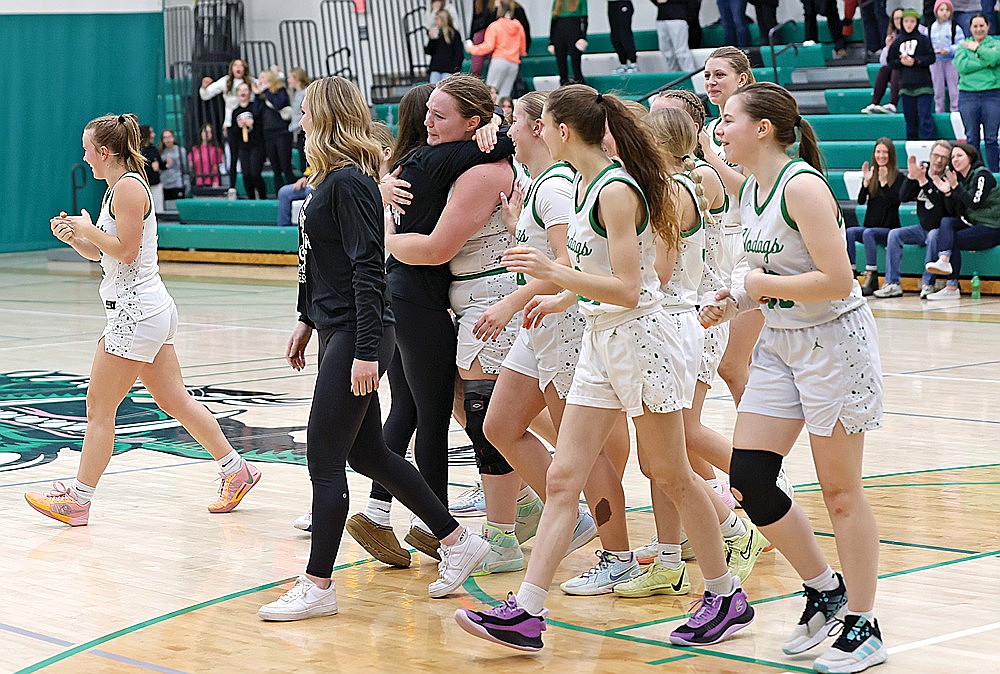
{"x": 976, "y": 292}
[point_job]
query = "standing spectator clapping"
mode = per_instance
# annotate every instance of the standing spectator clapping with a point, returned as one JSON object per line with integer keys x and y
{"x": 912, "y": 54}
{"x": 275, "y": 114}
{"x": 226, "y": 87}
{"x": 247, "y": 141}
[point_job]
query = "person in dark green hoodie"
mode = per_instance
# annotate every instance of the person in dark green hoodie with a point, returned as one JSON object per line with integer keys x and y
{"x": 912, "y": 54}
{"x": 975, "y": 196}
{"x": 978, "y": 64}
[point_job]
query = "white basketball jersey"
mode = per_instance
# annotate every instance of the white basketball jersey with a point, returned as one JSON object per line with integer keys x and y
{"x": 731, "y": 217}
{"x": 681, "y": 291}
{"x": 480, "y": 255}
{"x": 556, "y": 185}
{"x": 138, "y": 285}
{"x": 588, "y": 243}
{"x": 712, "y": 277}
{"x": 772, "y": 242}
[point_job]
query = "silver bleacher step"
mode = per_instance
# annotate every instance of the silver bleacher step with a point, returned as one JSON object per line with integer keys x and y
{"x": 840, "y": 74}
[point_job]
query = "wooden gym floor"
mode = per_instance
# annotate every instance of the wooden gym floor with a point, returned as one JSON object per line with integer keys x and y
{"x": 156, "y": 583}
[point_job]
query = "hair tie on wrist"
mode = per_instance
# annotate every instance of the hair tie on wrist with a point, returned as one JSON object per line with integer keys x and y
{"x": 121, "y": 119}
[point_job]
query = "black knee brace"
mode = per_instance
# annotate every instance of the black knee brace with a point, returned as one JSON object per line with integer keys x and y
{"x": 477, "y": 399}
{"x": 753, "y": 474}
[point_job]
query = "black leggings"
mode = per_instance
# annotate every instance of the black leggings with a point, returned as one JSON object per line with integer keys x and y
{"x": 347, "y": 428}
{"x": 423, "y": 391}
{"x": 279, "y": 154}
{"x": 566, "y": 30}
{"x": 620, "y": 21}
{"x": 252, "y": 163}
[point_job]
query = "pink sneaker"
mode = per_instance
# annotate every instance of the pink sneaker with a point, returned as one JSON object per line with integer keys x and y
{"x": 234, "y": 487}
{"x": 59, "y": 505}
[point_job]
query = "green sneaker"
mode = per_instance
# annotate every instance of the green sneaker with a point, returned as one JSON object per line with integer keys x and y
{"x": 504, "y": 555}
{"x": 528, "y": 516}
{"x": 742, "y": 552}
{"x": 656, "y": 579}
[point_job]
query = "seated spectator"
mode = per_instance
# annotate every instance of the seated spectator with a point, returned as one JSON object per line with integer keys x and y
{"x": 925, "y": 183}
{"x": 444, "y": 46}
{"x": 880, "y": 188}
{"x": 506, "y": 42}
{"x": 913, "y": 54}
{"x": 275, "y": 115}
{"x": 976, "y": 201}
{"x": 247, "y": 141}
{"x": 977, "y": 61}
{"x": 153, "y": 165}
{"x": 174, "y": 174}
{"x": 206, "y": 158}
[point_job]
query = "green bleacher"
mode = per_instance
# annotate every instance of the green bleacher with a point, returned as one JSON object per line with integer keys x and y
{"x": 228, "y": 237}
{"x": 236, "y": 211}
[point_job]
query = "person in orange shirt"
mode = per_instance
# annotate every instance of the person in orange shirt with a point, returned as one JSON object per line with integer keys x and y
{"x": 506, "y": 41}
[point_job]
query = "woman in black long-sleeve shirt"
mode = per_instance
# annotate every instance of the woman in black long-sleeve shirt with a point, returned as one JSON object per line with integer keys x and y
{"x": 880, "y": 189}
{"x": 343, "y": 295}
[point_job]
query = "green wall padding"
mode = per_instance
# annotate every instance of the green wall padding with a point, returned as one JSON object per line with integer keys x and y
{"x": 64, "y": 70}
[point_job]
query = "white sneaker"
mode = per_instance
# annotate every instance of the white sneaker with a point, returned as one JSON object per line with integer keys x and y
{"x": 925, "y": 291}
{"x": 470, "y": 503}
{"x": 304, "y": 522}
{"x": 631, "y": 68}
{"x": 946, "y": 293}
{"x": 939, "y": 267}
{"x": 785, "y": 485}
{"x": 646, "y": 554}
{"x": 458, "y": 562}
{"x": 869, "y": 109}
{"x": 889, "y": 290}
{"x": 584, "y": 532}
{"x": 304, "y": 600}
{"x": 620, "y": 70}
{"x": 889, "y": 108}
{"x": 809, "y": 43}
{"x": 603, "y": 576}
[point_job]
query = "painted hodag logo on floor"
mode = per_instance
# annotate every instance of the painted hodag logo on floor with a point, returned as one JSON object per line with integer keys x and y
{"x": 44, "y": 412}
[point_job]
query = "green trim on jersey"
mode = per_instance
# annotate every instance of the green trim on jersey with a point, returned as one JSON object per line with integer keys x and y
{"x": 111, "y": 193}
{"x": 725, "y": 195}
{"x": 694, "y": 198}
{"x": 586, "y": 194}
{"x": 784, "y": 207}
{"x": 777, "y": 181}
{"x": 596, "y": 226}
{"x": 481, "y": 274}
{"x": 536, "y": 184}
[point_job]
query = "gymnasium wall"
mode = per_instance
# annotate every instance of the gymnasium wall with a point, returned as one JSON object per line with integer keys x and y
{"x": 66, "y": 62}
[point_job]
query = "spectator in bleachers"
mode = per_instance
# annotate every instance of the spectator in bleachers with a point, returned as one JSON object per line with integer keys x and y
{"x": 880, "y": 189}
{"x": 976, "y": 201}
{"x": 913, "y": 54}
{"x": 925, "y": 183}
{"x": 226, "y": 87}
{"x": 298, "y": 80}
{"x": 174, "y": 172}
{"x": 275, "y": 115}
{"x": 153, "y": 165}
{"x": 672, "y": 34}
{"x": 964, "y": 11}
{"x": 506, "y": 105}
{"x": 622, "y": 39}
{"x": 733, "y": 17}
{"x": 506, "y": 43}
{"x": 246, "y": 140}
{"x": 977, "y": 61}
{"x": 444, "y": 46}
{"x": 435, "y": 6}
{"x": 767, "y": 18}
{"x": 568, "y": 37}
{"x": 206, "y": 158}
{"x": 875, "y": 20}
{"x": 887, "y": 77}
{"x": 810, "y": 9}
{"x": 484, "y": 12}
{"x": 946, "y": 36}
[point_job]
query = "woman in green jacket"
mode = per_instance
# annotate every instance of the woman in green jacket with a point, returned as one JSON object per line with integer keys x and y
{"x": 978, "y": 64}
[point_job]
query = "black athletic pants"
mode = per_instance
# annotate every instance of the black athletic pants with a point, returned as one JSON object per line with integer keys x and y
{"x": 620, "y": 21}
{"x": 566, "y": 30}
{"x": 279, "y": 154}
{"x": 252, "y": 163}
{"x": 829, "y": 9}
{"x": 426, "y": 343}
{"x": 347, "y": 428}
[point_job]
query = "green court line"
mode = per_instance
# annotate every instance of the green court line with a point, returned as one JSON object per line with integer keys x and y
{"x": 93, "y": 643}
{"x": 472, "y": 587}
{"x": 908, "y": 484}
{"x": 920, "y": 546}
{"x": 911, "y": 472}
{"x": 664, "y": 661}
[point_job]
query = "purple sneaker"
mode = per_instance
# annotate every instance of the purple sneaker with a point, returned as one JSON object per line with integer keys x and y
{"x": 717, "y": 617}
{"x": 506, "y": 623}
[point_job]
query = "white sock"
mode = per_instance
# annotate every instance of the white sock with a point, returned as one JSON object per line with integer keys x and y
{"x": 713, "y": 483}
{"x": 526, "y": 495}
{"x": 80, "y": 492}
{"x": 824, "y": 582}
{"x": 733, "y": 527}
{"x": 378, "y": 511}
{"x": 531, "y": 598}
{"x": 505, "y": 528}
{"x": 669, "y": 555}
{"x": 231, "y": 463}
{"x": 626, "y": 557}
{"x": 723, "y": 585}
